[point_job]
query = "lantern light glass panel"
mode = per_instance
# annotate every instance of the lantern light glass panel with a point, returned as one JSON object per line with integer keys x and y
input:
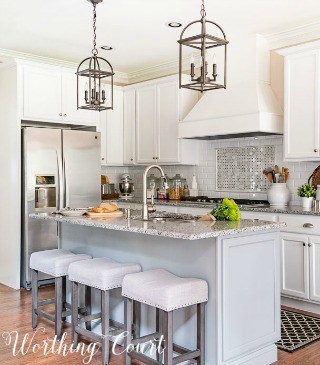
{"x": 203, "y": 50}
{"x": 91, "y": 92}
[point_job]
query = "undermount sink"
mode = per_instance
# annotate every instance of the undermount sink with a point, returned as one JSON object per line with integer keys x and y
{"x": 178, "y": 218}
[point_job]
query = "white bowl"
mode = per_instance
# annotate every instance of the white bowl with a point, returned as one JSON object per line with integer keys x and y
{"x": 73, "y": 212}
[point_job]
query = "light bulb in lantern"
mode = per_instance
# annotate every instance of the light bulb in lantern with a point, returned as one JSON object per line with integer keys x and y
{"x": 192, "y": 74}
{"x": 103, "y": 92}
{"x": 86, "y": 93}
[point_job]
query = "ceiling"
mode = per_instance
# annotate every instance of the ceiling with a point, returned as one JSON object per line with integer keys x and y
{"x": 136, "y": 28}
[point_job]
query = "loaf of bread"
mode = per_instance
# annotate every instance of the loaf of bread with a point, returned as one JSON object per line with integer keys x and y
{"x": 108, "y": 207}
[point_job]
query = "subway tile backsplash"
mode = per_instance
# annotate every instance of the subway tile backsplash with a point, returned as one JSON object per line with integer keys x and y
{"x": 206, "y": 171}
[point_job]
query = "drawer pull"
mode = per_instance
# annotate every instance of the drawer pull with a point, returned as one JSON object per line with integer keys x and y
{"x": 308, "y": 225}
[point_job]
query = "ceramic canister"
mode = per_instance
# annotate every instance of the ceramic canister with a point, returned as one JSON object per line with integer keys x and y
{"x": 279, "y": 195}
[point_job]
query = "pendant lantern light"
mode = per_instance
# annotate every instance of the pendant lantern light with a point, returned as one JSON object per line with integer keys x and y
{"x": 204, "y": 76}
{"x": 91, "y": 93}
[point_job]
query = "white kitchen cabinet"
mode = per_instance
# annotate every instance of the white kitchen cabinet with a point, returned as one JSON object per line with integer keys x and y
{"x": 302, "y": 103}
{"x": 295, "y": 265}
{"x": 314, "y": 258}
{"x": 129, "y": 120}
{"x": 146, "y": 117}
{"x": 167, "y": 144}
{"x": 42, "y": 94}
{"x": 71, "y": 114}
{"x": 111, "y": 128}
{"x": 50, "y": 95}
{"x": 160, "y": 105}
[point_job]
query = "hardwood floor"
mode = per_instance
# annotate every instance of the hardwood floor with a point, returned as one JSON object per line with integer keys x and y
{"x": 15, "y": 315}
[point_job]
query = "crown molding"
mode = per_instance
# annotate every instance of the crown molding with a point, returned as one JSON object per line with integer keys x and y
{"x": 160, "y": 70}
{"x": 7, "y": 55}
{"x": 151, "y": 72}
{"x": 304, "y": 33}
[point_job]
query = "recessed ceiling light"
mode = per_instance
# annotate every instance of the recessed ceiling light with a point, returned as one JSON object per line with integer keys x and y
{"x": 106, "y": 48}
{"x": 174, "y": 24}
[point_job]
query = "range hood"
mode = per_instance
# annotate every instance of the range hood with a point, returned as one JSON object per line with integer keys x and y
{"x": 248, "y": 107}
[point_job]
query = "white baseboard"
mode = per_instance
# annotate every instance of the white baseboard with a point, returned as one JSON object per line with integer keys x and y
{"x": 301, "y": 304}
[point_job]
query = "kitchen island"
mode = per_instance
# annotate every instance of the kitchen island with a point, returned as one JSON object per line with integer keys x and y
{"x": 239, "y": 260}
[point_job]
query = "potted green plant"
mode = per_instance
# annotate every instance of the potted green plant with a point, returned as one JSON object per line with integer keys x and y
{"x": 307, "y": 193}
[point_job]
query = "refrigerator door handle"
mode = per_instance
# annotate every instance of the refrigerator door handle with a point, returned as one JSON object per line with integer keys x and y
{"x": 65, "y": 184}
{"x": 59, "y": 184}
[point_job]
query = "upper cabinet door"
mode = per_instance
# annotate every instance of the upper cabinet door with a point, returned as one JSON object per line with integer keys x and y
{"x": 302, "y": 106}
{"x": 295, "y": 265}
{"x": 167, "y": 122}
{"x": 42, "y": 94}
{"x": 114, "y": 130}
{"x": 129, "y": 120}
{"x": 70, "y": 113}
{"x": 146, "y": 104}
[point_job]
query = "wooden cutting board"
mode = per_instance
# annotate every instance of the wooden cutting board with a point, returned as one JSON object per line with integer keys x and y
{"x": 117, "y": 213}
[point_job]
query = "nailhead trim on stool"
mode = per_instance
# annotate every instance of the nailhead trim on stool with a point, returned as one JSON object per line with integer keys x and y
{"x": 166, "y": 292}
{"x": 103, "y": 274}
{"x": 55, "y": 263}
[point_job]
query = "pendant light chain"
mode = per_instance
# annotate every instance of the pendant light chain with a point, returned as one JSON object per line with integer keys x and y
{"x": 203, "y": 10}
{"x": 90, "y": 73}
{"x": 94, "y": 50}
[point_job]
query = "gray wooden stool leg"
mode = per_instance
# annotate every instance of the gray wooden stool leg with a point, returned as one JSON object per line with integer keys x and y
{"x": 159, "y": 330}
{"x": 168, "y": 337}
{"x": 58, "y": 307}
{"x": 136, "y": 319}
{"x": 105, "y": 325}
{"x": 64, "y": 295}
{"x": 88, "y": 305}
{"x": 34, "y": 286}
{"x": 201, "y": 332}
{"x": 128, "y": 327}
{"x": 74, "y": 313}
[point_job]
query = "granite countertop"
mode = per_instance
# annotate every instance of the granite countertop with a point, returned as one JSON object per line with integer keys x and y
{"x": 292, "y": 209}
{"x": 187, "y": 230}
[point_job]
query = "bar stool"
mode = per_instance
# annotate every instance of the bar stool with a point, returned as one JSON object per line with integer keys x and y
{"x": 105, "y": 275}
{"x": 167, "y": 293}
{"x": 54, "y": 263}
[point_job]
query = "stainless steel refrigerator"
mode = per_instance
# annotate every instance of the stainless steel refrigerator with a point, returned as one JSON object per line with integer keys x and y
{"x": 60, "y": 168}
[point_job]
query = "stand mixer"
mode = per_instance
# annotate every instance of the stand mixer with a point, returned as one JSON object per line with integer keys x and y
{"x": 126, "y": 187}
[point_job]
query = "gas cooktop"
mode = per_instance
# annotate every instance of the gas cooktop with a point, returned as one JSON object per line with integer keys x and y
{"x": 240, "y": 202}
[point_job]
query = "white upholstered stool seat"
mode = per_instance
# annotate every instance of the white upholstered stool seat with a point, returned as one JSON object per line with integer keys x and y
{"x": 101, "y": 273}
{"x": 161, "y": 289}
{"x": 55, "y": 262}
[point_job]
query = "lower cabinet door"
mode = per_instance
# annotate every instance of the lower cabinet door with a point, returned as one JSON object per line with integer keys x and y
{"x": 295, "y": 265}
{"x": 314, "y": 256}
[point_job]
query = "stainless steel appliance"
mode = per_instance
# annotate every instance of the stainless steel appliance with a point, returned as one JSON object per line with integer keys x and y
{"x": 126, "y": 186}
{"x": 61, "y": 168}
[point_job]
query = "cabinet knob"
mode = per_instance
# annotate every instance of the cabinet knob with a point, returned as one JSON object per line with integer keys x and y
{"x": 60, "y": 114}
{"x": 315, "y": 150}
{"x": 64, "y": 115}
{"x": 102, "y": 159}
{"x": 304, "y": 244}
{"x": 131, "y": 159}
{"x": 309, "y": 245}
{"x": 308, "y": 225}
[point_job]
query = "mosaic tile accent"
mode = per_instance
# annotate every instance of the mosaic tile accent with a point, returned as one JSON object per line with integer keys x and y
{"x": 240, "y": 168}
